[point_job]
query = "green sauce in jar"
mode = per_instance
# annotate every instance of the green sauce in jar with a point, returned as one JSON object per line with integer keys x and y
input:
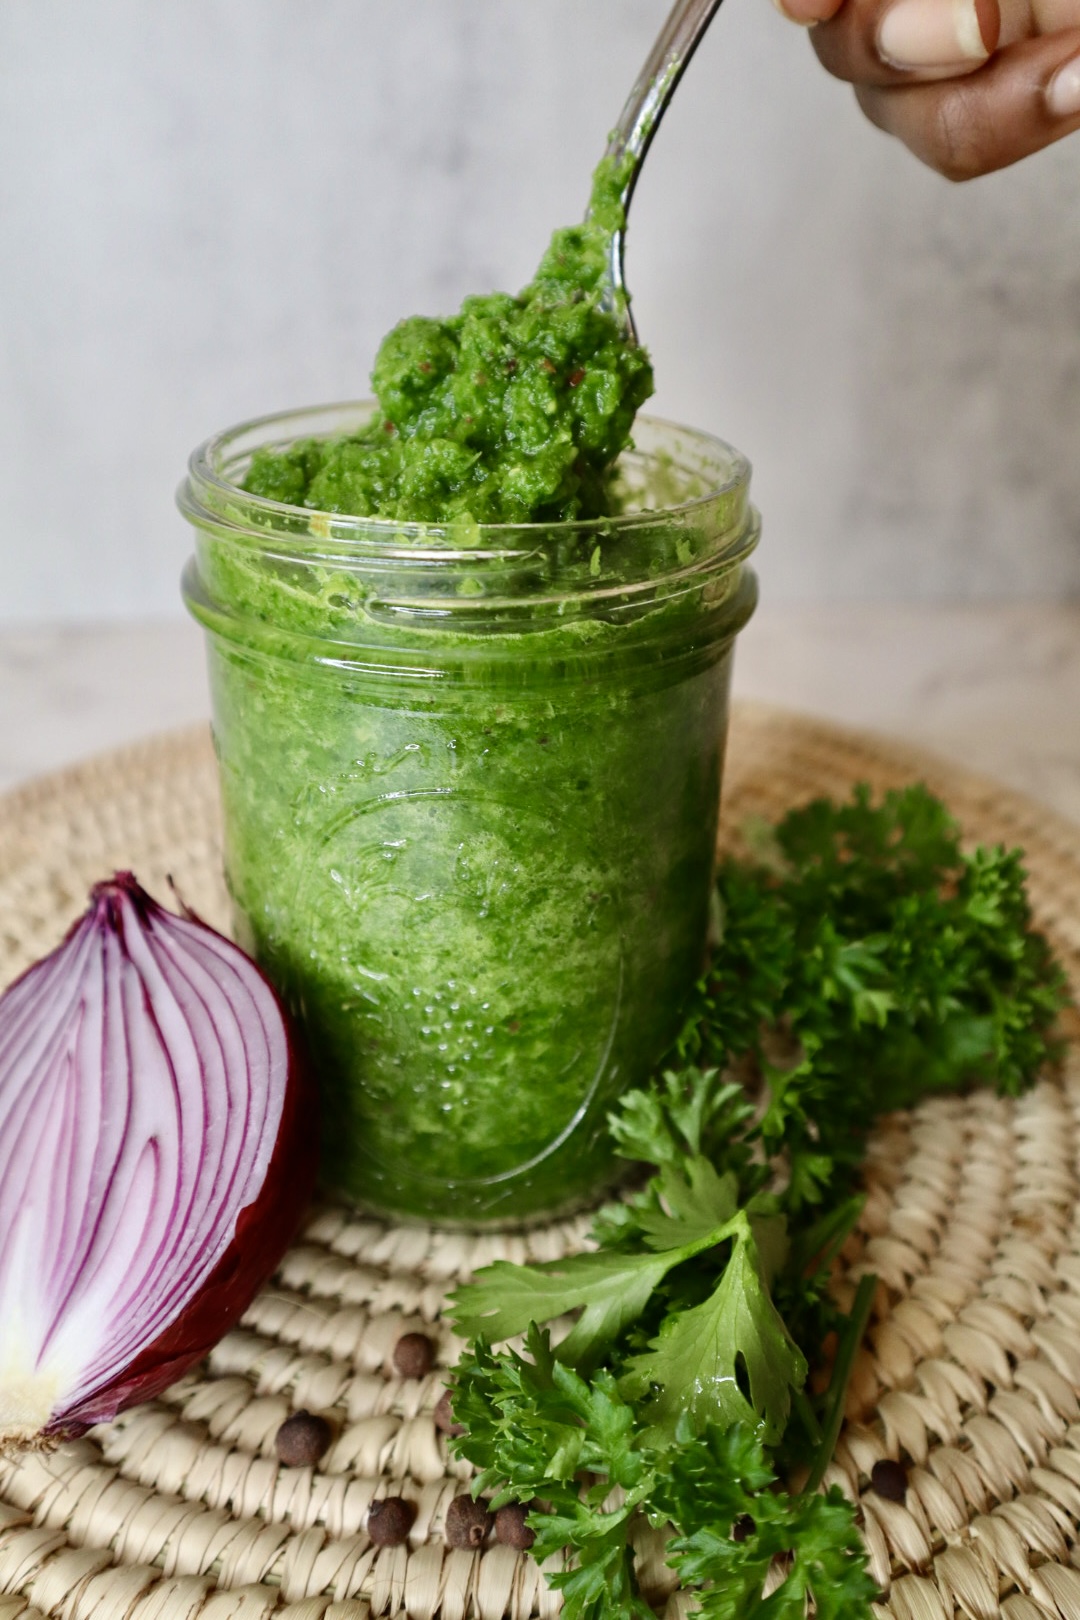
{"x": 470, "y": 802}
{"x": 470, "y": 678}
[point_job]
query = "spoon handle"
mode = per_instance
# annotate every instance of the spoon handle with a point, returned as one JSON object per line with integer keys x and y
{"x": 664, "y": 67}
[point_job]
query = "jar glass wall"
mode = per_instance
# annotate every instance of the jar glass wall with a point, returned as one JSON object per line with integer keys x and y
{"x": 471, "y": 780}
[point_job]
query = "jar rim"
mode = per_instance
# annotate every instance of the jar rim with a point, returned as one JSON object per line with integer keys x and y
{"x": 209, "y": 493}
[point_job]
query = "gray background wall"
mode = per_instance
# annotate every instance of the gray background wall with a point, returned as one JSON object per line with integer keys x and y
{"x": 213, "y": 208}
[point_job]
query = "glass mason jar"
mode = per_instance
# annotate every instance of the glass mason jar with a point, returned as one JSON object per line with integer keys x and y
{"x": 471, "y": 779}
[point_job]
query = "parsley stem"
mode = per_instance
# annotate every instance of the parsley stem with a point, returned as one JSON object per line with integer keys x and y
{"x": 845, "y": 1360}
{"x": 824, "y": 1240}
{"x": 806, "y": 1416}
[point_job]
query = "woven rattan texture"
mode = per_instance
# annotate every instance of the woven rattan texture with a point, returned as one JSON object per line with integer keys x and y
{"x": 180, "y": 1511}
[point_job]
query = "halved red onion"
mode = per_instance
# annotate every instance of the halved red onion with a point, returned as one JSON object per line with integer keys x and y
{"x": 157, "y": 1149}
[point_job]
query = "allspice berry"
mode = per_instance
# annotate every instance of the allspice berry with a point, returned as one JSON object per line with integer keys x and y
{"x": 390, "y": 1520}
{"x": 889, "y": 1479}
{"x": 511, "y": 1529}
{"x": 414, "y": 1355}
{"x": 467, "y": 1522}
{"x": 302, "y": 1440}
{"x": 444, "y": 1416}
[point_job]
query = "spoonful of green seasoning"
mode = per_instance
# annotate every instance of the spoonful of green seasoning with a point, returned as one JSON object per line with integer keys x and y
{"x": 515, "y": 409}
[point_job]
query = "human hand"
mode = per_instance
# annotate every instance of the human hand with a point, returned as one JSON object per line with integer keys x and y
{"x": 968, "y": 85}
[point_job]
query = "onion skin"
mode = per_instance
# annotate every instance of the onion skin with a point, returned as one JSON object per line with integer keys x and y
{"x": 264, "y": 1225}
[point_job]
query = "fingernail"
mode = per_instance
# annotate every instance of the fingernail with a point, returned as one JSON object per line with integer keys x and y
{"x": 1063, "y": 91}
{"x": 938, "y": 33}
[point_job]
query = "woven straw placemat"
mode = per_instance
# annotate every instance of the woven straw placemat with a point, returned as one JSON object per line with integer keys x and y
{"x": 180, "y": 1511}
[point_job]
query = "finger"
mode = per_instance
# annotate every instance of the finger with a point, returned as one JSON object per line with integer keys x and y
{"x": 808, "y": 12}
{"x": 893, "y": 41}
{"x": 1022, "y": 19}
{"x": 1026, "y": 98}
{"x": 868, "y": 42}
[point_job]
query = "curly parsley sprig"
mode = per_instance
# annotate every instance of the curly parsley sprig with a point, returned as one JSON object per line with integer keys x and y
{"x": 865, "y": 961}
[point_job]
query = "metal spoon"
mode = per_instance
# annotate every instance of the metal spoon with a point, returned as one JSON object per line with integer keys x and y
{"x": 640, "y": 118}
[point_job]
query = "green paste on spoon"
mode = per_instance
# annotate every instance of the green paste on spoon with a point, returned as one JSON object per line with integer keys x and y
{"x": 512, "y": 411}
